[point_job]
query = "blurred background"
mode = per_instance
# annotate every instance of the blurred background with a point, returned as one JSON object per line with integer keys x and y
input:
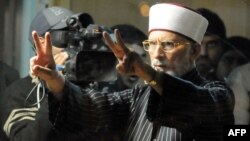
{"x": 16, "y": 16}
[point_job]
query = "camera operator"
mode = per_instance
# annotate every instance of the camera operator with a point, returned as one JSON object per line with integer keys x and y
{"x": 24, "y": 114}
{"x": 177, "y": 104}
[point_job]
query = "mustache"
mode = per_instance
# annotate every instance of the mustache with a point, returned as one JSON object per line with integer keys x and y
{"x": 159, "y": 62}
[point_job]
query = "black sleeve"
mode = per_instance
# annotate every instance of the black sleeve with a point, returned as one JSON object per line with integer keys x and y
{"x": 11, "y": 76}
{"x": 95, "y": 111}
{"x": 199, "y": 110}
{"x": 20, "y": 122}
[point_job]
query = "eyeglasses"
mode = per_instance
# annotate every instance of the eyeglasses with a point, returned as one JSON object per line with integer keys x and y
{"x": 166, "y": 46}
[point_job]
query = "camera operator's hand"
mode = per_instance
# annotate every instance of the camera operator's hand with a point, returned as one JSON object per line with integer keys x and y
{"x": 43, "y": 64}
{"x": 129, "y": 62}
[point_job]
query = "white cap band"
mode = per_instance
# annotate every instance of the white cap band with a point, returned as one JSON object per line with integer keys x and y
{"x": 177, "y": 19}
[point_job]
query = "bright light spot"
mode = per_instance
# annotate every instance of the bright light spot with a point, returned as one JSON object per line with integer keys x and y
{"x": 144, "y": 8}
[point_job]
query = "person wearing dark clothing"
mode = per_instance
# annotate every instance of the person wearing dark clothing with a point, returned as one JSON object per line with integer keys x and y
{"x": 24, "y": 121}
{"x": 187, "y": 107}
{"x": 212, "y": 46}
{"x": 176, "y": 104}
{"x": 21, "y": 116}
{"x": 7, "y": 76}
{"x": 24, "y": 114}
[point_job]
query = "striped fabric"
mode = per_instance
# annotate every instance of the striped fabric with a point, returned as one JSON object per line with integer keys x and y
{"x": 140, "y": 128}
{"x": 189, "y": 109}
{"x": 18, "y": 115}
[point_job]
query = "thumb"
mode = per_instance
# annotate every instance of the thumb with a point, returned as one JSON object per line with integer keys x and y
{"x": 44, "y": 73}
{"x": 55, "y": 82}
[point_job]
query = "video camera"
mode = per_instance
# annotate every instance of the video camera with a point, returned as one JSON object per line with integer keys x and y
{"x": 90, "y": 59}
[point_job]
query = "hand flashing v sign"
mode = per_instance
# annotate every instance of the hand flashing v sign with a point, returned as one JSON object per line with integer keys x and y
{"x": 130, "y": 62}
{"x": 43, "y": 64}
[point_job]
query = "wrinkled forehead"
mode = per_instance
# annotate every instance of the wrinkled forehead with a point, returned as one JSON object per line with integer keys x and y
{"x": 165, "y": 35}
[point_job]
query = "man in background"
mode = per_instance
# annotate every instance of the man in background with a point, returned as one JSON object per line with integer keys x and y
{"x": 212, "y": 45}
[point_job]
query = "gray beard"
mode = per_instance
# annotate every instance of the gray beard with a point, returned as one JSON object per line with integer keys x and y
{"x": 182, "y": 69}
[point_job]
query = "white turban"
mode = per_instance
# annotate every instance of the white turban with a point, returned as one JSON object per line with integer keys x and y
{"x": 178, "y": 19}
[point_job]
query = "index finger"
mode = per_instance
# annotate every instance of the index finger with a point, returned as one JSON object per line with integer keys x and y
{"x": 36, "y": 42}
{"x": 120, "y": 42}
{"x": 109, "y": 41}
{"x": 48, "y": 45}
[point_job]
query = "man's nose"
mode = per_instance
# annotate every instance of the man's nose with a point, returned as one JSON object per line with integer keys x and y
{"x": 158, "y": 52}
{"x": 203, "y": 50}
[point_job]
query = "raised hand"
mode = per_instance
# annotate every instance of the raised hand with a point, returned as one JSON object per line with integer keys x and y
{"x": 43, "y": 51}
{"x": 43, "y": 64}
{"x": 130, "y": 62}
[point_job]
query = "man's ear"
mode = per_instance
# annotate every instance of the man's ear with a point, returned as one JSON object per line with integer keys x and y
{"x": 195, "y": 51}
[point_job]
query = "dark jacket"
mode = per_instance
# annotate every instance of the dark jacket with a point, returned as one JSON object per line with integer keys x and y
{"x": 7, "y": 75}
{"x": 20, "y": 117}
{"x": 189, "y": 108}
{"x": 23, "y": 121}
